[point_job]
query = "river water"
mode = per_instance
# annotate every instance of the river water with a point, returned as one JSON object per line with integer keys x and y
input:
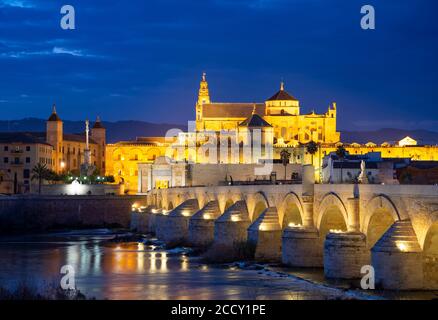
{"x": 106, "y": 269}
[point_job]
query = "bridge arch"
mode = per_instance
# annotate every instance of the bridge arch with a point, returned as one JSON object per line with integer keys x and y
{"x": 430, "y": 257}
{"x": 332, "y": 215}
{"x": 380, "y": 215}
{"x": 290, "y": 210}
{"x": 256, "y": 203}
{"x": 227, "y": 199}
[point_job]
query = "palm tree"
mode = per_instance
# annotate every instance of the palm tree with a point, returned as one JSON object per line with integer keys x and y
{"x": 285, "y": 158}
{"x": 312, "y": 148}
{"x": 40, "y": 173}
{"x": 341, "y": 153}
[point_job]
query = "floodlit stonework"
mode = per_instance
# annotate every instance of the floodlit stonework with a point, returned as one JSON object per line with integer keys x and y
{"x": 339, "y": 227}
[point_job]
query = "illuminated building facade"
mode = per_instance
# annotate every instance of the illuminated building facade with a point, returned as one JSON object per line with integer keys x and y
{"x": 281, "y": 111}
{"x": 279, "y": 121}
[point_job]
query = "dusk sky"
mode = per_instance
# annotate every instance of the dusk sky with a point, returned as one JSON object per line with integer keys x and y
{"x": 143, "y": 59}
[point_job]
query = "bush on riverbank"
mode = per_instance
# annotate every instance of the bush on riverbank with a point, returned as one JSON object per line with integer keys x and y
{"x": 25, "y": 291}
{"x": 239, "y": 251}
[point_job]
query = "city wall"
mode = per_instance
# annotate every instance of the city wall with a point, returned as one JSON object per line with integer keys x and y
{"x": 41, "y": 213}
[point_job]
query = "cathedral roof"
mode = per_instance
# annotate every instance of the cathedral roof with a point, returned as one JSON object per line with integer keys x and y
{"x": 255, "y": 121}
{"x": 231, "y": 110}
{"x": 282, "y": 95}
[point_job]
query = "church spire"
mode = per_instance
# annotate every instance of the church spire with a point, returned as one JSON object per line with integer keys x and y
{"x": 204, "y": 94}
{"x": 282, "y": 85}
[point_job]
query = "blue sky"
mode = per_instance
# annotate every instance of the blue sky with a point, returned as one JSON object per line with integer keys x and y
{"x": 143, "y": 60}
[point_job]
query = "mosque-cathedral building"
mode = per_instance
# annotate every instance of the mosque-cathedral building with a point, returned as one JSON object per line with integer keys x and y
{"x": 279, "y": 118}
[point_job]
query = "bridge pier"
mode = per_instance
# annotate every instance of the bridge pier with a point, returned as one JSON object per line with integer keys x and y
{"x": 301, "y": 247}
{"x": 175, "y": 227}
{"x": 201, "y": 225}
{"x": 397, "y": 258}
{"x": 345, "y": 254}
{"x": 265, "y": 235}
{"x": 152, "y": 220}
{"x": 157, "y": 223}
{"x": 140, "y": 221}
{"x": 231, "y": 227}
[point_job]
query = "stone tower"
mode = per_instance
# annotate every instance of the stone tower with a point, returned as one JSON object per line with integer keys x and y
{"x": 203, "y": 96}
{"x": 54, "y": 136}
{"x": 98, "y": 133}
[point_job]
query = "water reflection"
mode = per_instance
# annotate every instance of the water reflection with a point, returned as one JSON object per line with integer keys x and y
{"x": 134, "y": 270}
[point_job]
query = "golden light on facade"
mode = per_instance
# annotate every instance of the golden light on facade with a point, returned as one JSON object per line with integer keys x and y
{"x": 336, "y": 231}
{"x": 294, "y": 225}
{"x": 185, "y": 213}
{"x": 235, "y": 218}
{"x": 206, "y": 216}
{"x": 402, "y": 246}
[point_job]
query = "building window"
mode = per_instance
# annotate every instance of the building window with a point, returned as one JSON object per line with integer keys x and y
{"x": 6, "y": 148}
{"x": 6, "y": 160}
{"x": 27, "y": 159}
{"x": 27, "y": 148}
{"x": 26, "y": 173}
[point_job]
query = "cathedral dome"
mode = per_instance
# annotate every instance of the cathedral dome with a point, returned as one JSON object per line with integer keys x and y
{"x": 282, "y": 95}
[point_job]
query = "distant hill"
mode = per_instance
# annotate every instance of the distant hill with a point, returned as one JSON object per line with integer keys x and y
{"x": 116, "y": 131}
{"x": 129, "y": 130}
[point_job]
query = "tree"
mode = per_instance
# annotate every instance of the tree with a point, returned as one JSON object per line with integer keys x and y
{"x": 285, "y": 158}
{"x": 40, "y": 173}
{"x": 312, "y": 148}
{"x": 341, "y": 153}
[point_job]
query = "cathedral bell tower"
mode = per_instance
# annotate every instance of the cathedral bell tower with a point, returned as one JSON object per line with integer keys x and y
{"x": 203, "y": 97}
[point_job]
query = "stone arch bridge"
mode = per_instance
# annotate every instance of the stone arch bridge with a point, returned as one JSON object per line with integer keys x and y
{"x": 394, "y": 228}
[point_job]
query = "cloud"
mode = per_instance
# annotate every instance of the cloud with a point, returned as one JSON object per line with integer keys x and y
{"x": 55, "y": 51}
{"x": 75, "y": 53}
{"x": 15, "y": 4}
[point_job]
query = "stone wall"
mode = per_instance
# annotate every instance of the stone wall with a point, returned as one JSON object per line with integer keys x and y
{"x": 82, "y": 189}
{"x": 40, "y": 213}
{"x": 212, "y": 174}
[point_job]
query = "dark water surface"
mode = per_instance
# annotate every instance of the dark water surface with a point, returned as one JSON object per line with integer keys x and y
{"x": 135, "y": 270}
